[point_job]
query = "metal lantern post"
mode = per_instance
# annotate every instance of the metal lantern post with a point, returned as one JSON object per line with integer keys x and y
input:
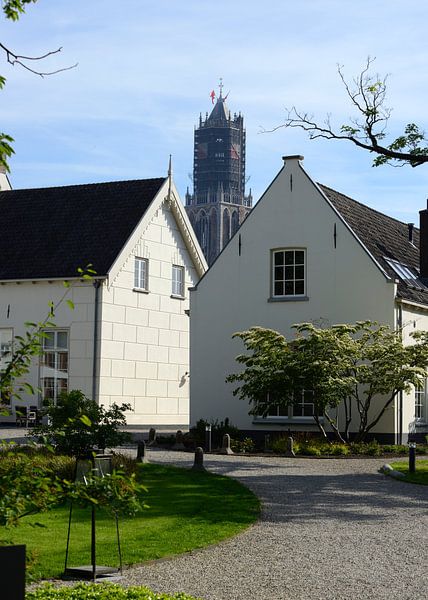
{"x": 100, "y": 465}
{"x": 208, "y": 437}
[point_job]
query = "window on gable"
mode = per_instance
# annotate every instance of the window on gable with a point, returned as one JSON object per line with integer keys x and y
{"x": 141, "y": 274}
{"x": 288, "y": 277}
{"x": 178, "y": 281}
{"x": 54, "y": 365}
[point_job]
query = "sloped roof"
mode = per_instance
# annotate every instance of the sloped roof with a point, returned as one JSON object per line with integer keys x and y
{"x": 47, "y": 233}
{"x": 220, "y": 112}
{"x": 385, "y": 238}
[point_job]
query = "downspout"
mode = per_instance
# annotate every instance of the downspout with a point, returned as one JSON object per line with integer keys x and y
{"x": 400, "y": 401}
{"x": 97, "y": 285}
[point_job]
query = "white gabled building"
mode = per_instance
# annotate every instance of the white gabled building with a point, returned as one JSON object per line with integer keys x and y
{"x": 305, "y": 253}
{"x": 127, "y": 339}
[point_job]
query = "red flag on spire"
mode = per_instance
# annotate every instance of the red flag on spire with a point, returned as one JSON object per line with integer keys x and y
{"x": 212, "y": 96}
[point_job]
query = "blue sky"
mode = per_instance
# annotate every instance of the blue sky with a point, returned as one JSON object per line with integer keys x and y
{"x": 146, "y": 69}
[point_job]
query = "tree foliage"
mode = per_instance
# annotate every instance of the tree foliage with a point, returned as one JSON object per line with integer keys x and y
{"x": 367, "y": 129}
{"x": 77, "y": 425}
{"x": 29, "y": 486}
{"x": 362, "y": 367}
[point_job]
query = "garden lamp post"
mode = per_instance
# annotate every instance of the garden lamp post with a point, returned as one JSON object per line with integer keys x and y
{"x": 208, "y": 437}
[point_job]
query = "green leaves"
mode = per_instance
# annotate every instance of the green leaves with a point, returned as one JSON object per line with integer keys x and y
{"x": 361, "y": 366}
{"x": 13, "y": 9}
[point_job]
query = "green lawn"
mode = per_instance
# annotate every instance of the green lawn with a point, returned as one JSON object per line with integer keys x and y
{"x": 188, "y": 510}
{"x": 421, "y": 474}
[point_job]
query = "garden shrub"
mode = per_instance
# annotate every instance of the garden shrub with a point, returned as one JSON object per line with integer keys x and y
{"x": 101, "y": 591}
{"x": 339, "y": 450}
{"x": 218, "y": 430}
{"x": 245, "y": 445}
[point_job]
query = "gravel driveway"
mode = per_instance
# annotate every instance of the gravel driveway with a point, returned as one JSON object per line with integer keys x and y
{"x": 330, "y": 529}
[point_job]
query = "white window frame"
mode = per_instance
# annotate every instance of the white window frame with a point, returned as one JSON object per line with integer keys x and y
{"x": 6, "y": 351}
{"x": 420, "y": 402}
{"x": 281, "y": 278}
{"x": 289, "y": 412}
{"x": 177, "y": 281}
{"x": 141, "y": 274}
{"x": 54, "y": 371}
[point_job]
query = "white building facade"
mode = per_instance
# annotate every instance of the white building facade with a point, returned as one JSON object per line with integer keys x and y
{"x": 299, "y": 257}
{"x": 124, "y": 337}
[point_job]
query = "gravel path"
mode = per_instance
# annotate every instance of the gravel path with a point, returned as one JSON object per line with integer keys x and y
{"x": 330, "y": 529}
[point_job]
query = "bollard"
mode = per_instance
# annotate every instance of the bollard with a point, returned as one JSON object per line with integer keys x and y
{"x": 198, "y": 464}
{"x": 179, "y": 443}
{"x": 412, "y": 457}
{"x": 141, "y": 452}
{"x": 152, "y": 437}
{"x": 290, "y": 448}
{"x": 226, "y": 449}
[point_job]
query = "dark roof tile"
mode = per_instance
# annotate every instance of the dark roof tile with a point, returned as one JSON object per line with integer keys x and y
{"x": 384, "y": 237}
{"x": 51, "y": 232}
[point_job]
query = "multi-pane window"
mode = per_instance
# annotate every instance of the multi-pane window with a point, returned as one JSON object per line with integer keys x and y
{"x": 54, "y": 365}
{"x": 141, "y": 274}
{"x": 6, "y": 342}
{"x": 420, "y": 402}
{"x": 305, "y": 407}
{"x": 177, "y": 281}
{"x": 288, "y": 277}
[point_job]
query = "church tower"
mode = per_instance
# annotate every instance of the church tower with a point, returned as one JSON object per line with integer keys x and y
{"x": 218, "y": 204}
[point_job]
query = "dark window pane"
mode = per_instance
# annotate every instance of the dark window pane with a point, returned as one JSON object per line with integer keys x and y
{"x": 279, "y": 273}
{"x": 308, "y": 410}
{"x": 300, "y": 287}
{"x": 297, "y": 410}
{"x": 299, "y": 272}
{"x": 289, "y": 257}
{"x": 289, "y": 273}
{"x": 279, "y": 288}
{"x": 300, "y": 257}
{"x": 279, "y": 258}
{"x": 283, "y": 411}
{"x": 289, "y": 288}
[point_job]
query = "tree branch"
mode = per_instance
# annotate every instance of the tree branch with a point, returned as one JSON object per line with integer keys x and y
{"x": 17, "y": 59}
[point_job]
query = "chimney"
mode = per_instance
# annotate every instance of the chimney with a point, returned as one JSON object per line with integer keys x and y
{"x": 423, "y": 244}
{"x": 410, "y": 226}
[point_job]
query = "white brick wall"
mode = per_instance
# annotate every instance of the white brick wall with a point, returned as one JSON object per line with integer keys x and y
{"x": 145, "y": 336}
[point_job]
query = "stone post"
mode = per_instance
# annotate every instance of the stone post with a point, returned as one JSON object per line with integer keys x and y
{"x": 152, "y": 437}
{"x": 198, "y": 464}
{"x": 179, "y": 445}
{"x": 141, "y": 452}
{"x": 226, "y": 449}
{"x": 290, "y": 449}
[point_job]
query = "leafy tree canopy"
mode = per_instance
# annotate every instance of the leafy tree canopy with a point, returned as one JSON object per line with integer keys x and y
{"x": 362, "y": 366}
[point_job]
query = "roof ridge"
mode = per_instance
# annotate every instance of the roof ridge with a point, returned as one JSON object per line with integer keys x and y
{"x": 82, "y": 185}
{"x": 382, "y": 214}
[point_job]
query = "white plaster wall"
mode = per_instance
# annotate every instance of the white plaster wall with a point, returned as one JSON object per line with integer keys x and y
{"x": 145, "y": 336}
{"x": 343, "y": 285}
{"x": 29, "y": 302}
{"x": 414, "y": 318}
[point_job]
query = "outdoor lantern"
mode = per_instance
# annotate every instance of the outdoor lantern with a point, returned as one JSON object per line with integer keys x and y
{"x": 99, "y": 465}
{"x": 208, "y": 437}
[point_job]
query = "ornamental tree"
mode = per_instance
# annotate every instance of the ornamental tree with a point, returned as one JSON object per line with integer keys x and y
{"x": 361, "y": 367}
{"x": 78, "y": 424}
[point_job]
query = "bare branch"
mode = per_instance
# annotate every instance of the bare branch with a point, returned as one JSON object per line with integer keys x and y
{"x": 17, "y": 59}
{"x": 366, "y": 130}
